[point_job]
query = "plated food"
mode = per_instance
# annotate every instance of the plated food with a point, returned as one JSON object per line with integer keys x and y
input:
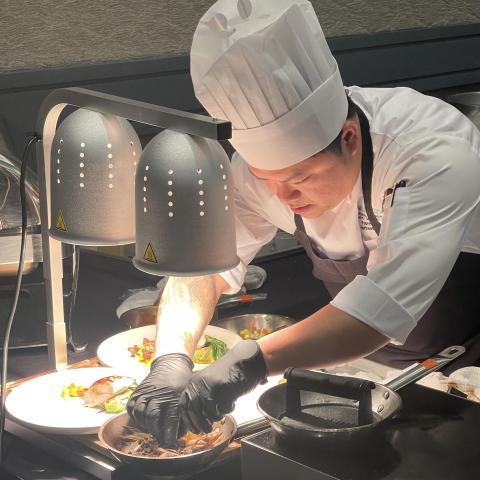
{"x": 109, "y": 394}
{"x": 132, "y": 350}
{"x": 39, "y": 404}
{"x": 209, "y": 350}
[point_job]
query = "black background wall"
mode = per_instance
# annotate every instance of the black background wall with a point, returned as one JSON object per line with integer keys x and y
{"x": 438, "y": 61}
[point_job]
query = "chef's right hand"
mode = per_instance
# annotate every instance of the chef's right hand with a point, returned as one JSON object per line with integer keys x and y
{"x": 154, "y": 405}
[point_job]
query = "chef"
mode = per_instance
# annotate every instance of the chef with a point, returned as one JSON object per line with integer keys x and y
{"x": 380, "y": 186}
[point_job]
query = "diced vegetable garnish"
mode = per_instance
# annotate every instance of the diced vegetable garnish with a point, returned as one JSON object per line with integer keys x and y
{"x": 145, "y": 352}
{"x": 73, "y": 390}
{"x": 119, "y": 403}
{"x": 204, "y": 355}
{"x": 214, "y": 350}
{"x": 218, "y": 347}
{"x": 254, "y": 333}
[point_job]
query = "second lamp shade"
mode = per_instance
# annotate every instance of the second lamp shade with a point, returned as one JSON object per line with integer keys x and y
{"x": 184, "y": 207}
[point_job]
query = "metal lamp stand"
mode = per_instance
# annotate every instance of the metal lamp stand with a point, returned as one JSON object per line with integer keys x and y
{"x": 50, "y": 110}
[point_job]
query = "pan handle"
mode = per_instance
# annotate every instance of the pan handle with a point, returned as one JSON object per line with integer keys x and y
{"x": 427, "y": 366}
{"x": 344, "y": 387}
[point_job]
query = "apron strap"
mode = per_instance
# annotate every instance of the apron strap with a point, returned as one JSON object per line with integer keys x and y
{"x": 367, "y": 170}
{"x": 299, "y": 222}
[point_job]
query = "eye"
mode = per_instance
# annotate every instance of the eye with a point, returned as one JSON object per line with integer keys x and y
{"x": 298, "y": 182}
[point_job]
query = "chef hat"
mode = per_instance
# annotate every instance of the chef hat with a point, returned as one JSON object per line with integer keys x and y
{"x": 265, "y": 66}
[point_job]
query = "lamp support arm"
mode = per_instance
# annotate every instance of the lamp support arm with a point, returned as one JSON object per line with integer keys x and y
{"x": 141, "y": 112}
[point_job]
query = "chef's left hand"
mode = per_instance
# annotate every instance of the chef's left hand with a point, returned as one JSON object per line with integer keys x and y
{"x": 211, "y": 393}
{"x": 154, "y": 405}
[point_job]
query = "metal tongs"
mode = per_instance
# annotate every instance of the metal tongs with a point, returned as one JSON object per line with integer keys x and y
{"x": 244, "y": 298}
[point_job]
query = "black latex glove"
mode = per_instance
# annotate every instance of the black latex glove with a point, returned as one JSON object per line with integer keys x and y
{"x": 212, "y": 392}
{"x": 154, "y": 405}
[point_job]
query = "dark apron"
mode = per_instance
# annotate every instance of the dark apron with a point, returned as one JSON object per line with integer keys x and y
{"x": 452, "y": 319}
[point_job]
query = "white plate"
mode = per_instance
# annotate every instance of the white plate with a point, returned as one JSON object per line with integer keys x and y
{"x": 367, "y": 369}
{"x": 469, "y": 376}
{"x": 246, "y": 406}
{"x": 113, "y": 352}
{"x": 38, "y": 403}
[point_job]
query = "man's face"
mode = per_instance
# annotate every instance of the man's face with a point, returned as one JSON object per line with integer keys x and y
{"x": 317, "y": 184}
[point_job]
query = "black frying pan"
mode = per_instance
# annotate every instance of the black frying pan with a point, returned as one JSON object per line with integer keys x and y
{"x": 314, "y": 405}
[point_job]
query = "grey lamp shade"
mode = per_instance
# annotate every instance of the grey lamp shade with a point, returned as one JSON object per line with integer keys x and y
{"x": 92, "y": 174}
{"x": 184, "y": 207}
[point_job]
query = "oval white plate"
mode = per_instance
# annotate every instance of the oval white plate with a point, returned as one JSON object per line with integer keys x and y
{"x": 467, "y": 376}
{"x": 38, "y": 403}
{"x": 113, "y": 352}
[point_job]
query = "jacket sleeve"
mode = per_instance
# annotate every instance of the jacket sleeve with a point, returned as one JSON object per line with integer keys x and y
{"x": 253, "y": 231}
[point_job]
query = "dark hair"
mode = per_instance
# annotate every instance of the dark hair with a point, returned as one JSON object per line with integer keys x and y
{"x": 336, "y": 145}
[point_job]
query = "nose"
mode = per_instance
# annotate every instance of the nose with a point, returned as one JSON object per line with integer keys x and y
{"x": 285, "y": 191}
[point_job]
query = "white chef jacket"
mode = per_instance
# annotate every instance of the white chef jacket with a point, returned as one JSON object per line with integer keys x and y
{"x": 416, "y": 138}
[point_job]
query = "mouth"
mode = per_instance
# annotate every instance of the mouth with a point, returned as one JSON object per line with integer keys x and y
{"x": 299, "y": 210}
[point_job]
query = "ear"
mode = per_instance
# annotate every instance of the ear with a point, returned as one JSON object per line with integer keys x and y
{"x": 351, "y": 137}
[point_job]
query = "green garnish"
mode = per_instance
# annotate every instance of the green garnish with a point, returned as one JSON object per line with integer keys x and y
{"x": 218, "y": 347}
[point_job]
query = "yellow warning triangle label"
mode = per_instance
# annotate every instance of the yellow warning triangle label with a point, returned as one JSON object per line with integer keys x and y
{"x": 60, "y": 223}
{"x": 149, "y": 254}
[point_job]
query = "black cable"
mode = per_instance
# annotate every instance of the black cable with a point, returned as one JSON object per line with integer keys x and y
{"x": 8, "y": 326}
